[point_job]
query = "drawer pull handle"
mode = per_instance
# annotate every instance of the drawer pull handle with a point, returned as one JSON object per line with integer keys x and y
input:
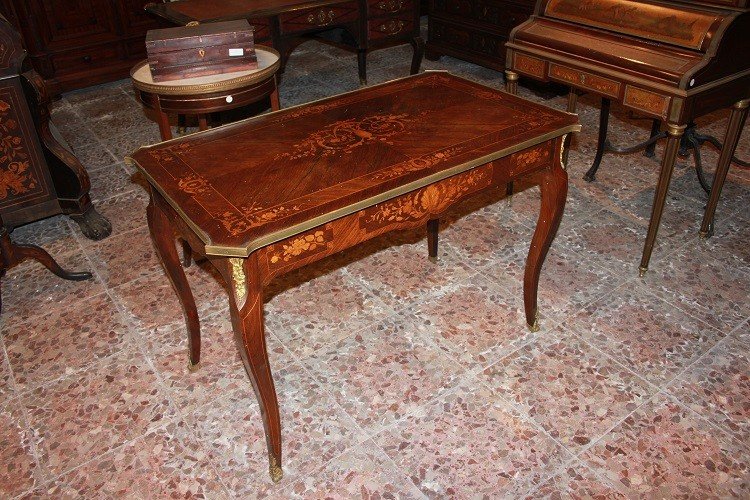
{"x": 391, "y": 6}
{"x": 392, "y": 27}
{"x": 322, "y": 19}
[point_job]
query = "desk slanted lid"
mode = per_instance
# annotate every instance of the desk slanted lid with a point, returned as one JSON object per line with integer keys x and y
{"x": 248, "y": 184}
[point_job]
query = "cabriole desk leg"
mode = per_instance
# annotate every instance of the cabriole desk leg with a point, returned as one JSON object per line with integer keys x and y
{"x": 162, "y": 234}
{"x": 246, "y": 308}
{"x": 674, "y": 133}
{"x": 731, "y": 138}
{"x": 553, "y": 184}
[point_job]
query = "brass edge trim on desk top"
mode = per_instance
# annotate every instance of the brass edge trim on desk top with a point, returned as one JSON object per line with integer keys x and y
{"x": 224, "y": 85}
{"x": 245, "y": 251}
{"x": 674, "y": 91}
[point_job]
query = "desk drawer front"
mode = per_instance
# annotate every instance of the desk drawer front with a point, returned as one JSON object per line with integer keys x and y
{"x": 645, "y": 100}
{"x": 585, "y": 80}
{"x": 378, "y": 29}
{"x": 389, "y": 8}
{"x": 529, "y": 66}
{"x": 316, "y": 17}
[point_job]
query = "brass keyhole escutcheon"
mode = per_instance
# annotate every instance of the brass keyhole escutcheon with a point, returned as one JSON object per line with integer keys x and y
{"x": 201, "y": 52}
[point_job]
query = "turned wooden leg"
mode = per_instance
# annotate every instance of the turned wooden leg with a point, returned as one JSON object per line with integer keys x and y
{"x": 432, "y": 238}
{"x": 731, "y": 138}
{"x": 571, "y": 108}
{"x": 163, "y": 120}
{"x": 163, "y": 236}
{"x": 650, "y": 150}
{"x": 601, "y": 141}
{"x": 416, "y": 60}
{"x": 674, "y": 133}
{"x": 202, "y": 121}
{"x": 511, "y": 82}
{"x": 275, "y": 104}
{"x": 246, "y": 308}
{"x": 553, "y": 185}
{"x": 362, "y": 66}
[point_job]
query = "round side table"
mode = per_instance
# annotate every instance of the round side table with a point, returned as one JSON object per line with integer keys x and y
{"x": 207, "y": 94}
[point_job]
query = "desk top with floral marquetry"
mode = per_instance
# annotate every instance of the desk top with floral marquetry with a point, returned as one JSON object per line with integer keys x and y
{"x": 249, "y": 184}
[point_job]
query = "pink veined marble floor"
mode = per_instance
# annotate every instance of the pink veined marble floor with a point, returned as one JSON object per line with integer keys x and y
{"x": 397, "y": 377}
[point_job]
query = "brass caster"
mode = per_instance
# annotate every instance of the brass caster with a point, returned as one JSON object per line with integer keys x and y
{"x": 535, "y": 327}
{"x": 275, "y": 471}
{"x": 704, "y": 235}
{"x": 642, "y": 271}
{"x": 193, "y": 367}
{"x": 432, "y": 259}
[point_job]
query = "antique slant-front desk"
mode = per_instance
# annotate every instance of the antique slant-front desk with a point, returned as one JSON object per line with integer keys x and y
{"x": 270, "y": 194}
{"x": 672, "y": 61}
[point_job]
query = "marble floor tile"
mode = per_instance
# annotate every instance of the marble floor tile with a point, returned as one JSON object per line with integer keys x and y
{"x": 110, "y": 181}
{"x": 30, "y": 289}
{"x": 64, "y": 341}
{"x": 124, "y": 257}
{"x": 323, "y": 310}
{"x": 363, "y": 471}
{"x": 95, "y": 155}
{"x": 85, "y": 415}
{"x": 167, "y": 462}
{"x": 316, "y": 430}
{"x": 19, "y": 470}
{"x": 652, "y": 337}
{"x": 692, "y": 280}
{"x": 718, "y": 385}
{"x": 577, "y": 481}
{"x": 477, "y": 323}
{"x": 401, "y": 275}
{"x": 572, "y": 390}
{"x": 384, "y": 372}
{"x": 53, "y": 234}
{"x": 497, "y": 453}
{"x": 7, "y": 384}
{"x": 664, "y": 450}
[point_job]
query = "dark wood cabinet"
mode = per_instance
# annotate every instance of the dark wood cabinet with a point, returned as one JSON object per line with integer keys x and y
{"x": 76, "y": 43}
{"x": 474, "y": 30}
{"x": 39, "y": 175}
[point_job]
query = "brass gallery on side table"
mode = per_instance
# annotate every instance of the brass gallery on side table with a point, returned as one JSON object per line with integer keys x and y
{"x": 671, "y": 61}
{"x": 337, "y": 172}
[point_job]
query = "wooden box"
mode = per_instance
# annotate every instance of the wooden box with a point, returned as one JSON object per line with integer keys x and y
{"x": 202, "y": 50}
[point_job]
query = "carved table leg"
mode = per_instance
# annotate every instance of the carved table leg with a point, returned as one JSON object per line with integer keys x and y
{"x": 94, "y": 226}
{"x": 432, "y": 239}
{"x": 553, "y": 185}
{"x": 246, "y": 308}
{"x": 416, "y": 61}
{"x": 162, "y": 234}
{"x": 601, "y": 141}
{"x": 511, "y": 82}
{"x": 165, "y": 130}
{"x": 674, "y": 132}
{"x": 571, "y": 108}
{"x": 731, "y": 138}
{"x": 187, "y": 254}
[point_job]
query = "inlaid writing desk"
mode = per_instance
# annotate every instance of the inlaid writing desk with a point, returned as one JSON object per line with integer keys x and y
{"x": 267, "y": 195}
{"x": 284, "y": 24}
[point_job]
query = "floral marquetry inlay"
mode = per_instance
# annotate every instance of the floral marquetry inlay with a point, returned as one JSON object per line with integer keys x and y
{"x": 427, "y": 201}
{"x": 346, "y": 135}
{"x": 15, "y": 170}
{"x": 304, "y": 244}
